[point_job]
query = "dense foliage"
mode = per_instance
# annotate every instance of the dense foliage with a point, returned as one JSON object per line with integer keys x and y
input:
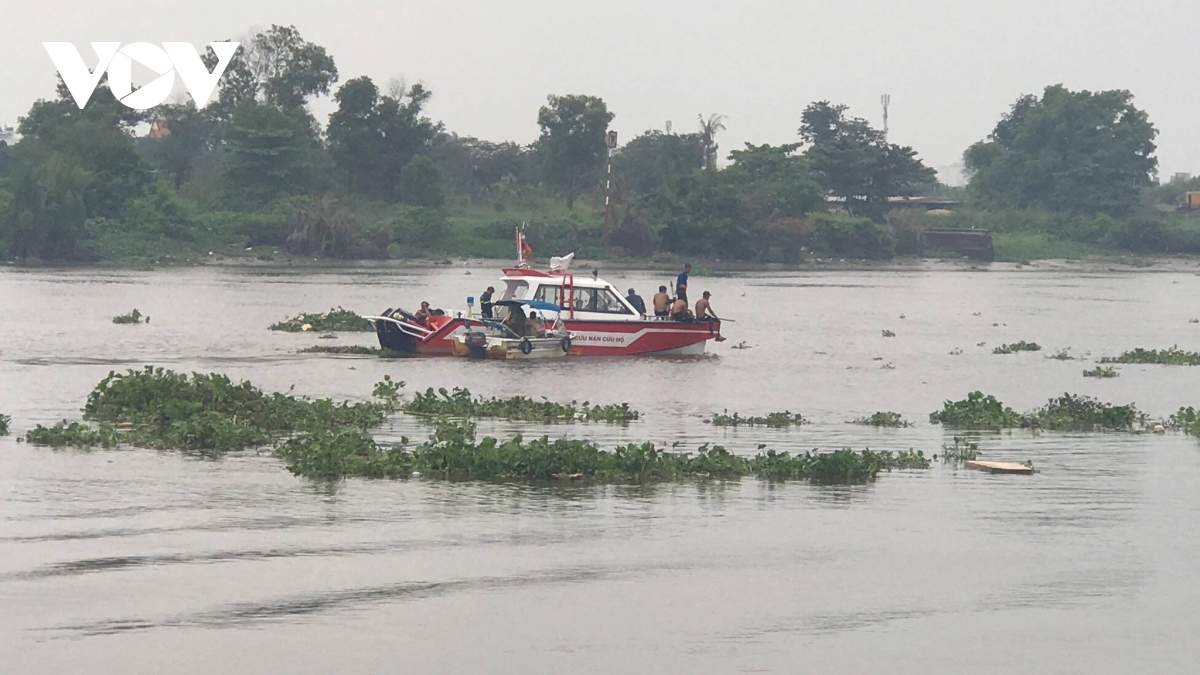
{"x": 254, "y": 173}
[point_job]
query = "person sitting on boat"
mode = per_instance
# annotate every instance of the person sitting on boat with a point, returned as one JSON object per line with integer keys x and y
{"x": 681, "y": 282}
{"x": 662, "y": 303}
{"x": 636, "y": 300}
{"x": 515, "y": 321}
{"x": 679, "y": 310}
{"x": 485, "y": 302}
{"x": 423, "y": 314}
{"x": 704, "y": 308}
{"x": 535, "y": 327}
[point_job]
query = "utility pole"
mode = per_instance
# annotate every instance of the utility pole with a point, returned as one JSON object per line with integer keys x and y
{"x": 610, "y": 139}
{"x": 886, "y": 100}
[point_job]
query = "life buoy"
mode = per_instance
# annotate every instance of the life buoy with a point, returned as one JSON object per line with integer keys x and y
{"x": 566, "y": 344}
{"x": 526, "y": 346}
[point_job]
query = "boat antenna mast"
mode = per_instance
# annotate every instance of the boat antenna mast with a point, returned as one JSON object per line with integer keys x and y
{"x": 523, "y": 248}
{"x": 610, "y": 140}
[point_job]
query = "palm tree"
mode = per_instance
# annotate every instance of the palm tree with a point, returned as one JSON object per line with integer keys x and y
{"x": 708, "y": 135}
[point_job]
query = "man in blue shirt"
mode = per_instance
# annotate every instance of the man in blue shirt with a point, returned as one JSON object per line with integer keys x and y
{"x": 636, "y": 300}
{"x": 681, "y": 282}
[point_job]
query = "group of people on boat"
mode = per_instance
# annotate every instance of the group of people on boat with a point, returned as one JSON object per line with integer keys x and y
{"x": 675, "y": 307}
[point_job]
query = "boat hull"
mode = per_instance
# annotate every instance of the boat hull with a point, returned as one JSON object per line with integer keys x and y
{"x": 511, "y": 349}
{"x": 589, "y": 338}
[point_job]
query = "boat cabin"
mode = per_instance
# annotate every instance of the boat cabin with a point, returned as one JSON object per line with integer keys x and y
{"x": 586, "y": 298}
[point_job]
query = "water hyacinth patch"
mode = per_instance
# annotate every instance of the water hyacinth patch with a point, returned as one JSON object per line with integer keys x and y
{"x": 963, "y": 450}
{"x": 1101, "y": 371}
{"x": 460, "y": 403}
{"x": 353, "y": 350}
{"x": 158, "y": 408}
{"x": 977, "y": 411}
{"x": 1162, "y": 357}
{"x": 453, "y": 453}
{"x": 775, "y": 420}
{"x": 74, "y": 434}
{"x": 1071, "y": 412}
{"x": 1186, "y": 419}
{"x": 5, "y": 420}
{"x": 336, "y": 319}
{"x": 132, "y": 317}
{"x": 882, "y": 419}
{"x": 1015, "y": 347}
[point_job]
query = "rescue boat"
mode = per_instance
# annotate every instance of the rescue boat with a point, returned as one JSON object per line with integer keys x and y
{"x": 599, "y": 319}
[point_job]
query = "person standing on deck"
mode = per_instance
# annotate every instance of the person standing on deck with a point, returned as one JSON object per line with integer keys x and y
{"x": 636, "y": 300}
{"x": 485, "y": 303}
{"x": 662, "y": 303}
{"x": 681, "y": 282}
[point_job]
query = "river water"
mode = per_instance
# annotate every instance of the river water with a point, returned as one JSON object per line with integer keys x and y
{"x": 134, "y": 561}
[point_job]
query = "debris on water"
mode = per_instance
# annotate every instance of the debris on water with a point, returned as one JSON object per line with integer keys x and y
{"x": 133, "y": 317}
{"x": 1001, "y": 467}
{"x": 888, "y": 333}
{"x": 956, "y": 352}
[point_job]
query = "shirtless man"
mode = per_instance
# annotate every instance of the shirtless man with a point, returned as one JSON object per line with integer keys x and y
{"x": 662, "y": 303}
{"x": 704, "y": 308}
{"x": 679, "y": 310}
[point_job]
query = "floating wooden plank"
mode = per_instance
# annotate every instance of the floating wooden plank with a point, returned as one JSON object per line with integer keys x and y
{"x": 1000, "y": 467}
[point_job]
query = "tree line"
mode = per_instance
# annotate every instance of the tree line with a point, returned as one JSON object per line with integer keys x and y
{"x": 255, "y": 169}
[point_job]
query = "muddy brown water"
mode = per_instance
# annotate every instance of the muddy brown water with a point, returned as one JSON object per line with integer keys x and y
{"x": 134, "y": 561}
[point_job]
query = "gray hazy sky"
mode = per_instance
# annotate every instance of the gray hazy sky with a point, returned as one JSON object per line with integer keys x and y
{"x": 951, "y": 66}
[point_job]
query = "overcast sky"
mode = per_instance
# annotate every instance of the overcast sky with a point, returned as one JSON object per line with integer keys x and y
{"x": 951, "y": 66}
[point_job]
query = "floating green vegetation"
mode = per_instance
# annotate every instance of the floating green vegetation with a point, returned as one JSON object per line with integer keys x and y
{"x": 353, "y": 349}
{"x": 336, "y": 319}
{"x": 1164, "y": 357}
{"x": 776, "y": 420}
{"x": 452, "y": 452}
{"x": 460, "y": 403}
{"x": 1015, "y": 347}
{"x": 1071, "y": 412}
{"x": 207, "y": 413}
{"x": 882, "y": 419}
{"x": 977, "y": 411}
{"x": 1062, "y": 355}
{"x": 75, "y": 434}
{"x": 963, "y": 450}
{"x": 1186, "y": 419}
{"x": 5, "y": 420}
{"x": 1102, "y": 371}
{"x": 132, "y": 317}
{"x": 888, "y": 333}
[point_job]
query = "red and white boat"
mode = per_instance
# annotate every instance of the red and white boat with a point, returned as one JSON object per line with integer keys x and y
{"x": 600, "y": 320}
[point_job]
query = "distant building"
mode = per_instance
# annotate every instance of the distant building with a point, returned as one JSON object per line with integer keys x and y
{"x": 8, "y": 135}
